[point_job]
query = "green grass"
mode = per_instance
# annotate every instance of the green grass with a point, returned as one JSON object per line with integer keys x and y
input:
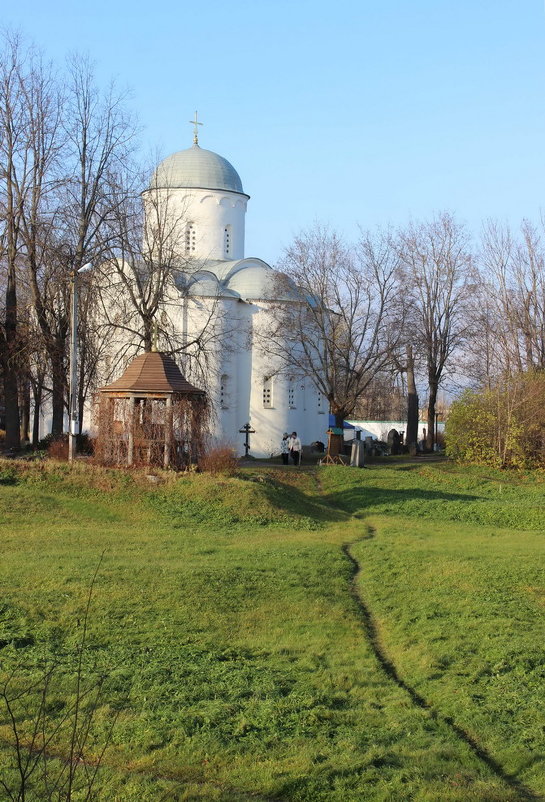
{"x": 242, "y": 659}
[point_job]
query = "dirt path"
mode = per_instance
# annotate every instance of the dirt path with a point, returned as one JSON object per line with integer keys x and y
{"x": 372, "y": 636}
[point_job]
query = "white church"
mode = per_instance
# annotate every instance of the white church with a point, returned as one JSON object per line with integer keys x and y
{"x": 202, "y": 196}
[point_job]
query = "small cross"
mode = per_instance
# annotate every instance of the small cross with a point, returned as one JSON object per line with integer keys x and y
{"x": 247, "y": 430}
{"x": 196, "y": 122}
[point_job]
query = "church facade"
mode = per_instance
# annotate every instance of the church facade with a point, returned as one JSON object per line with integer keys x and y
{"x": 230, "y": 301}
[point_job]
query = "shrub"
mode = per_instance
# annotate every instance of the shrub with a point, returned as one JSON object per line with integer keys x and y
{"x": 503, "y": 427}
{"x": 8, "y": 476}
{"x": 220, "y": 459}
{"x": 45, "y": 442}
{"x": 85, "y": 444}
{"x": 58, "y": 447}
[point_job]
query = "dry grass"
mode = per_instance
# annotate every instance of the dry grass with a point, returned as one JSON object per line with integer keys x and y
{"x": 220, "y": 459}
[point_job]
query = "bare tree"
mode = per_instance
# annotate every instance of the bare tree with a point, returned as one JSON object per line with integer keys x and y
{"x": 145, "y": 288}
{"x": 529, "y": 276}
{"x": 438, "y": 273}
{"x": 384, "y": 397}
{"x": 513, "y": 300}
{"x": 145, "y": 256}
{"x": 497, "y": 344}
{"x": 411, "y": 435}
{"x": 98, "y": 132}
{"x": 337, "y": 323}
{"x": 407, "y": 366}
{"x": 58, "y": 153}
{"x": 43, "y": 275}
{"x": 13, "y": 184}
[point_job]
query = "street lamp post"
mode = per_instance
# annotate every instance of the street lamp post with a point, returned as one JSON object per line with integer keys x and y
{"x": 73, "y": 422}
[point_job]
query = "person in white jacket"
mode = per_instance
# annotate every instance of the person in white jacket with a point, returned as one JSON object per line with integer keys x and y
{"x": 295, "y": 448}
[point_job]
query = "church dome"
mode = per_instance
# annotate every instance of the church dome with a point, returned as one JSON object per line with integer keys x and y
{"x": 254, "y": 279}
{"x": 196, "y": 168}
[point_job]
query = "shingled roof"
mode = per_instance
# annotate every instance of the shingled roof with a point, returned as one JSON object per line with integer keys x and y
{"x": 153, "y": 372}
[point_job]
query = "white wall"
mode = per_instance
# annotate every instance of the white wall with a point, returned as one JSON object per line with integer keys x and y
{"x": 379, "y": 429}
{"x": 209, "y": 211}
{"x": 302, "y": 415}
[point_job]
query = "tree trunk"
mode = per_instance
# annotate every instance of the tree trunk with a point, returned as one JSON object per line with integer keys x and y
{"x": 412, "y": 405}
{"x": 81, "y": 407}
{"x": 58, "y": 384}
{"x": 11, "y": 389}
{"x": 148, "y": 335}
{"x": 82, "y": 392}
{"x": 432, "y": 400}
{"x": 11, "y": 401}
{"x": 25, "y": 410}
{"x": 37, "y": 398}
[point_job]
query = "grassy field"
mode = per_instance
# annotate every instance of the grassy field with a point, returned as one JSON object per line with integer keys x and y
{"x": 327, "y": 634}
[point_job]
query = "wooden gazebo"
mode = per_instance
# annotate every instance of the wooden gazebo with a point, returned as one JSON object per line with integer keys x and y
{"x": 151, "y": 415}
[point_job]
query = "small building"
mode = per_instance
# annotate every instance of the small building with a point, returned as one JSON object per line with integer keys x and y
{"x": 151, "y": 415}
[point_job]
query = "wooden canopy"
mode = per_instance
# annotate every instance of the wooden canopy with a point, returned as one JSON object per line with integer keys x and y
{"x": 154, "y": 373}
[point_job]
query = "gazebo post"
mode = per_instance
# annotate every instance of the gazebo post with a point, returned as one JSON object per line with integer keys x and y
{"x": 168, "y": 431}
{"x": 130, "y": 448}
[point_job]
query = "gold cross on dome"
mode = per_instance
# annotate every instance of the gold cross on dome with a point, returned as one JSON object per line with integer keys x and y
{"x": 196, "y": 122}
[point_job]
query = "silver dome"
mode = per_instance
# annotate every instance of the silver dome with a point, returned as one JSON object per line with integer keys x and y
{"x": 196, "y": 168}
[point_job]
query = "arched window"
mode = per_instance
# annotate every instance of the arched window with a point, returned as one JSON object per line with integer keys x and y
{"x": 267, "y": 392}
{"x": 227, "y": 240}
{"x": 190, "y": 238}
{"x": 224, "y": 391}
{"x": 292, "y": 393}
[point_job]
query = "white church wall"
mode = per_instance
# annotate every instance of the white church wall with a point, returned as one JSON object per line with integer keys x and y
{"x": 167, "y": 213}
{"x": 205, "y": 224}
{"x": 268, "y": 418}
{"x": 224, "y": 325}
{"x": 221, "y": 225}
{"x": 201, "y": 322}
{"x": 304, "y": 413}
{"x": 228, "y": 394}
{"x": 242, "y": 367}
{"x": 281, "y": 400}
{"x": 271, "y": 422}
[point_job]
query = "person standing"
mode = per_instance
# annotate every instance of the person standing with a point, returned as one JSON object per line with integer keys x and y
{"x": 285, "y": 448}
{"x": 295, "y": 448}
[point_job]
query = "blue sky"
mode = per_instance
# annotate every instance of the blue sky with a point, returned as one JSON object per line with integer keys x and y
{"x": 350, "y": 113}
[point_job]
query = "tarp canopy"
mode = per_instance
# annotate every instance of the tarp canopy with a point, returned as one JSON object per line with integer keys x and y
{"x": 346, "y": 425}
